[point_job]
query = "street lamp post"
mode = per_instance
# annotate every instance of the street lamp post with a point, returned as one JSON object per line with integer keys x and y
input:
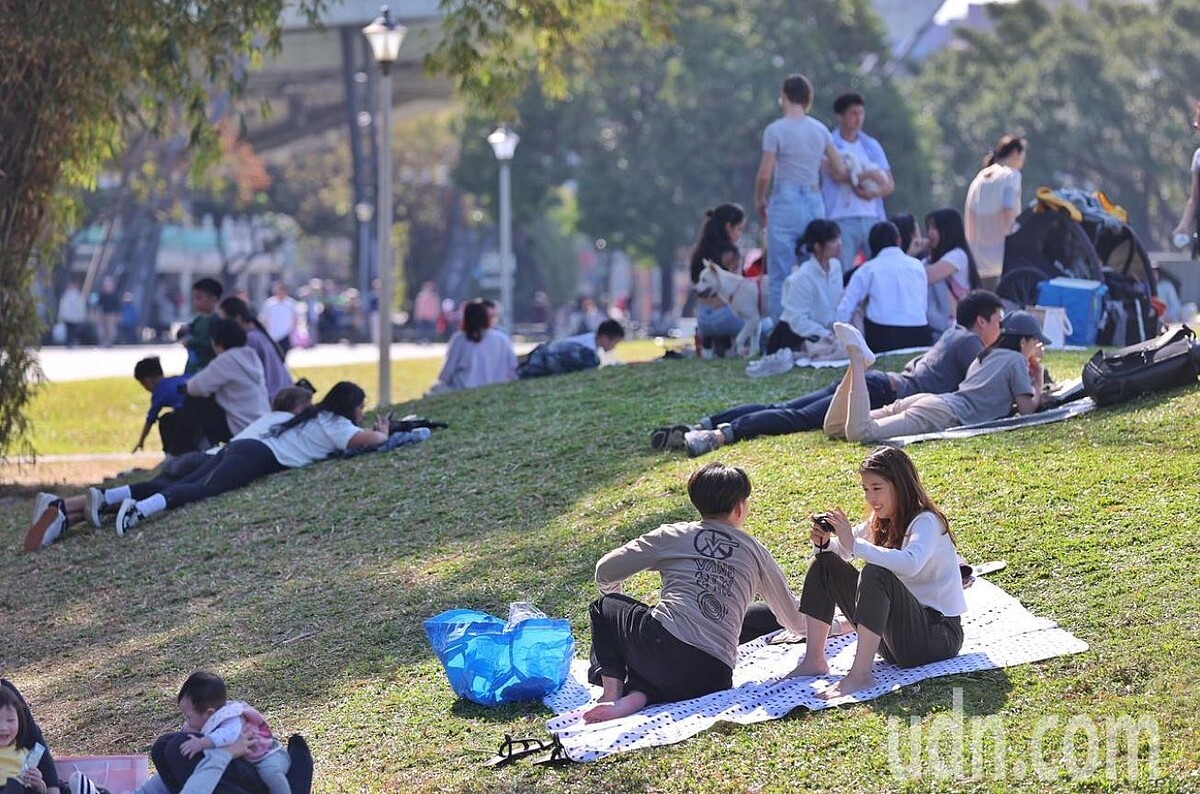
{"x": 385, "y": 36}
{"x": 504, "y": 143}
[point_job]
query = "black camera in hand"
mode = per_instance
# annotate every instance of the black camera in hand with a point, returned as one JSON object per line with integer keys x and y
{"x": 824, "y": 523}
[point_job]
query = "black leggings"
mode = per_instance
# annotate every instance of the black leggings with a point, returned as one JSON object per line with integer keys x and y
{"x": 240, "y": 463}
{"x": 630, "y": 645}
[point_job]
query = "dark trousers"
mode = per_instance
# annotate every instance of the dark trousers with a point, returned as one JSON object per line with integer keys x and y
{"x": 630, "y": 645}
{"x": 198, "y": 417}
{"x": 882, "y": 338}
{"x": 240, "y": 463}
{"x": 782, "y": 336}
{"x": 803, "y": 413}
{"x": 175, "y": 768}
{"x": 877, "y": 600}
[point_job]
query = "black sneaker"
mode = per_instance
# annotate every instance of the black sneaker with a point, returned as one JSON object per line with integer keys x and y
{"x": 669, "y": 437}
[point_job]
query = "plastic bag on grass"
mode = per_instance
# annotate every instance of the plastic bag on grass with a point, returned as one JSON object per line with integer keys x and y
{"x": 488, "y": 663}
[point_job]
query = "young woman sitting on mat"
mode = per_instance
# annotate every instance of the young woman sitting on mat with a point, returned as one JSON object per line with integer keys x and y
{"x": 906, "y": 602}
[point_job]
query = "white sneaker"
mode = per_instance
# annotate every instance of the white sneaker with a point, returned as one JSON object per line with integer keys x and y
{"x": 47, "y": 529}
{"x": 95, "y": 503}
{"x": 40, "y": 503}
{"x": 850, "y": 337}
{"x": 127, "y": 517}
{"x": 777, "y": 363}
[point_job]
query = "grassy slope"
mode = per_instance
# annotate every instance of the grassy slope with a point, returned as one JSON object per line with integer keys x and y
{"x": 307, "y": 590}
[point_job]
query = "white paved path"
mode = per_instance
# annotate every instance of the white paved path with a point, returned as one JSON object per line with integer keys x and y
{"x": 87, "y": 363}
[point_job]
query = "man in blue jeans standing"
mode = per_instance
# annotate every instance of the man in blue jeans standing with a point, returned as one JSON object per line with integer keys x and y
{"x": 938, "y": 371}
{"x": 793, "y": 148}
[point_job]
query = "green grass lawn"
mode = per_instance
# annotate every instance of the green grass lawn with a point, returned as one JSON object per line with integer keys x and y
{"x": 307, "y": 590}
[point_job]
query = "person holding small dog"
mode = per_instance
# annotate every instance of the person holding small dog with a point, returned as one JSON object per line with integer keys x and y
{"x": 719, "y": 236}
{"x": 793, "y": 148}
{"x": 856, "y": 202}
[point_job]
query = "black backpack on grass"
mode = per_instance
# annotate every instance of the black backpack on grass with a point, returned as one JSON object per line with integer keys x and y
{"x": 1169, "y": 360}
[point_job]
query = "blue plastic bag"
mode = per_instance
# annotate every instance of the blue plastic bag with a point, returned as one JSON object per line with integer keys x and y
{"x": 489, "y": 664}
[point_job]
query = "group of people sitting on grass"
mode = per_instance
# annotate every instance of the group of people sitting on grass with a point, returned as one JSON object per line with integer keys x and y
{"x": 978, "y": 370}
{"x": 234, "y": 370}
{"x": 903, "y": 295}
{"x": 480, "y": 354}
{"x": 223, "y": 747}
{"x": 905, "y": 603}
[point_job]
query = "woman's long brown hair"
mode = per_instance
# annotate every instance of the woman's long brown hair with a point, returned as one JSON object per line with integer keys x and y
{"x": 897, "y": 468}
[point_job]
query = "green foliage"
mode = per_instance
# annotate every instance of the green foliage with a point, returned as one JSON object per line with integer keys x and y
{"x": 655, "y": 131}
{"x": 1102, "y": 92}
{"x": 493, "y": 47}
{"x": 73, "y": 76}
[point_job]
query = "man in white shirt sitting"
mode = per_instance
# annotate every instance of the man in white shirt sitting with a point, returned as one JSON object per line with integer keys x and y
{"x": 896, "y": 292}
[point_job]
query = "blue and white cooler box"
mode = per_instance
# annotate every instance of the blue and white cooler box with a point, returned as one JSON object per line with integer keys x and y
{"x": 1083, "y": 300}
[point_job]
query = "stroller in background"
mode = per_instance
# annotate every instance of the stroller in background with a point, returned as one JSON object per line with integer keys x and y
{"x": 1075, "y": 234}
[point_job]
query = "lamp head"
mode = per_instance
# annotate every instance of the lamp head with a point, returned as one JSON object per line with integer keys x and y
{"x": 385, "y": 36}
{"x": 504, "y": 142}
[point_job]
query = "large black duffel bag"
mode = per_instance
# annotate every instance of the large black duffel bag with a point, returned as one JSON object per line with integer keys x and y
{"x": 1171, "y": 359}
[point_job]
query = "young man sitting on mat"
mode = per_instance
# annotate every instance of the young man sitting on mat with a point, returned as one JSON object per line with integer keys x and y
{"x": 686, "y": 645}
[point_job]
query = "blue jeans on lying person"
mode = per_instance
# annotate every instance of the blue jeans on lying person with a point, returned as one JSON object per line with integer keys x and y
{"x": 803, "y": 413}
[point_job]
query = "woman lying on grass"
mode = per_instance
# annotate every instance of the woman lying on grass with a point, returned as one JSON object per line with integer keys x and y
{"x": 280, "y": 440}
{"x": 906, "y": 601}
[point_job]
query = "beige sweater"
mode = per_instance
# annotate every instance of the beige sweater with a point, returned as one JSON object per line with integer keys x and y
{"x": 711, "y": 571}
{"x": 236, "y": 379}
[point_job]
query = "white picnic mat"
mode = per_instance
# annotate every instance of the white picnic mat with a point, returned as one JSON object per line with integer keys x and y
{"x": 830, "y": 363}
{"x": 1058, "y": 414}
{"x": 998, "y": 632}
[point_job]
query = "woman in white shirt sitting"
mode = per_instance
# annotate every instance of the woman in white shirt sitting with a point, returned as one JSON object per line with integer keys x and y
{"x": 812, "y": 292}
{"x": 906, "y": 602}
{"x": 477, "y": 354}
{"x": 951, "y": 270}
{"x": 892, "y": 284}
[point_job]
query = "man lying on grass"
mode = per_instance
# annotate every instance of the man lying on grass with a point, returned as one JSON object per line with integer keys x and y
{"x": 686, "y": 645}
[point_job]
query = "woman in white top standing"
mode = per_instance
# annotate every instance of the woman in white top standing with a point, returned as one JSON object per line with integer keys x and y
{"x": 478, "y": 355}
{"x": 993, "y": 203}
{"x": 951, "y": 270}
{"x": 1189, "y": 222}
{"x": 812, "y": 292}
{"x": 907, "y": 601}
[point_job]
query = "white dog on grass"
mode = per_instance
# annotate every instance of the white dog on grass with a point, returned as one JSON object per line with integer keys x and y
{"x": 746, "y": 298}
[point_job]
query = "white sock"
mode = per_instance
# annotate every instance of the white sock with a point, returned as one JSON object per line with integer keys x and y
{"x": 114, "y": 496}
{"x": 152, "y": 504}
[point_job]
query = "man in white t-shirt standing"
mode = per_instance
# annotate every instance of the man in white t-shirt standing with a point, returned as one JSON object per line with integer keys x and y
{"x": 278, "y": 316}
{"x": 855, "y": 203}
